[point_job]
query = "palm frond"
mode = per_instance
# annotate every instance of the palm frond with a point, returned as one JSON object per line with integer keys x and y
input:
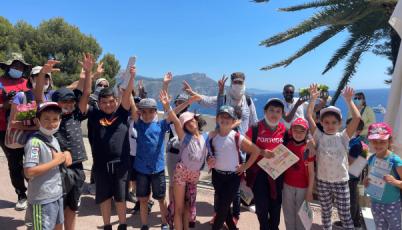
{"x": 314, "y": 43}
{"x": 351, "y": 66}
{"x": 314, "y": 4}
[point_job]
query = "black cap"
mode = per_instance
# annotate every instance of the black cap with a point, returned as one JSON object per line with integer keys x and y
{"x": 63, "y": 94}
{"x": 227, "y": 109}
{"x": 237, "y": 76}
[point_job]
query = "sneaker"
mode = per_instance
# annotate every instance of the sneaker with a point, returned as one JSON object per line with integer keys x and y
{"x": 144, "y": 227}
{"x": 136, "y": 208}
{"x": 21, "y": 204}
{"x": 191, "y": 224}
{"x": 164, "y": 227}
{"x": 212, "y": 221}
{"x": 131, "y": 197}
{"x": 122, "y": 227}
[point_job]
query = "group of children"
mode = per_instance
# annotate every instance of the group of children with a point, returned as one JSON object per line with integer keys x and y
{"x": 54, "y": 155}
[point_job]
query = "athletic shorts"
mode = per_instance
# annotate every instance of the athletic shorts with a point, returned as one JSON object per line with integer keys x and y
{"x": 111, "y": 184}
{"x": 46, "y": 216}
{"x": 156, "y": 181}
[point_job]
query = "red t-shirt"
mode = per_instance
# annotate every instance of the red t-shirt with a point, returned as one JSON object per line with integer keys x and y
{"x": 266, "y": 139}
{"x": 297, "y": 174}
{"x": 9, "y": 85}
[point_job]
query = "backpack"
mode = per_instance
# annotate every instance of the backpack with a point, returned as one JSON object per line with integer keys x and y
{"x": 237, "y": 141}
{"x": 68, "y": 176}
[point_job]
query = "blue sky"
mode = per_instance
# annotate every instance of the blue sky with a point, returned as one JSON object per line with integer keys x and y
{"x": 207, "y": 36}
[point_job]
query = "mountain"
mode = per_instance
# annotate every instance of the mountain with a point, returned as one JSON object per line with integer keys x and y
{"x": 200, "y": 83}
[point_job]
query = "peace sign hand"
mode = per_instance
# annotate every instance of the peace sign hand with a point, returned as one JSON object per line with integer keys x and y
{"x": 221, "y": 84}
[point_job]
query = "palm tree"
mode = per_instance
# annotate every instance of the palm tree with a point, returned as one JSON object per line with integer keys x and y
{"x": 366, "y": 22}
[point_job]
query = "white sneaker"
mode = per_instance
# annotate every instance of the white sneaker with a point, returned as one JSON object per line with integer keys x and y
{"x": 21, "y": 204}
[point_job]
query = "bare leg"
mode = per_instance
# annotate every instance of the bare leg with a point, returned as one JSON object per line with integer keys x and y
{"x": 186, "y": 216}
{"x": 58, "y": 227}
{"x": 105, "y": 208}
{"x": 179, "y": 192}
{"x": 163, "y": 207}
{"x": 144, "y": 210}
{"x": 121, "y": 211}
{"x": 69, "y": 219}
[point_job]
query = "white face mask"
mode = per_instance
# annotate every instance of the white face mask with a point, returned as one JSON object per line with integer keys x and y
{"x": 66, "y": 111}
{"x": 45, "y": 87}
{"x": 237, "y": 91}
{"x": 49, "y": 132}
{"x": 271, "y": 124}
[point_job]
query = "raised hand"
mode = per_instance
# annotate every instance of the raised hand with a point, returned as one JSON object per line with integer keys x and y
{"x": 187, "y": 88}
{"x": 48, "y": 67}
{"x": 133, "y": 71}
{"x": 164, "y": 98}
{"x": 87, "y": 62}
{"x": 348, "y": 93}
{"x": 221, "y": 84}
{"x": 99, "y": 69}
{"x": 167, "y": 78}
{"x": 314, "y": 92}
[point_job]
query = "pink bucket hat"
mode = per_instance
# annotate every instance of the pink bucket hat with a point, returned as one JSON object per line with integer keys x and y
{"x": 379, "y": 131}
{"x": 185, "y": 117}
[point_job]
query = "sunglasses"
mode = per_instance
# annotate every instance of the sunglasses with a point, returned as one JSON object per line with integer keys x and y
{"x": 357, "y": 98}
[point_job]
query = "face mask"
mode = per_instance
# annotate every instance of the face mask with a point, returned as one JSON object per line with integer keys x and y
{"x": 357, "y": 101}
{"x": 98, "y": 89}
{"x": 66, "y": 111}
{"x": 271, "y": 124}
{"x": 288, "y": 97}
{"x": 14, "y": 73}
{"x": 49, "y": 132}
{"x": 237, "y": 91}
{"x": 45, "y": 87}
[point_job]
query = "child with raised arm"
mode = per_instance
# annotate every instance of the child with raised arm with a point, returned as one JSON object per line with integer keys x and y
{"x": 111, "y": 151}
{"x": 150, "y": 159}
{"x": 193, "y": 151}
{"x": 332, "y": 157}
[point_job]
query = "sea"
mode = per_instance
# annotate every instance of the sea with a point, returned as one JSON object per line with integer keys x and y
{"x": 374, "y": 98}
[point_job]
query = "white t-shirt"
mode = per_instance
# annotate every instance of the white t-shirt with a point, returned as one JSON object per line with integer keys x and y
{"x": 226, "y": 155}
{"x": 332, "y": 156}
{"x": 132, "y": 132}
{"x": 299, "y": 112}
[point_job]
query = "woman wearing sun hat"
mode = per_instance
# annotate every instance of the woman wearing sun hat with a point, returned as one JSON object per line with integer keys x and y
{"x": 12, "y": 82}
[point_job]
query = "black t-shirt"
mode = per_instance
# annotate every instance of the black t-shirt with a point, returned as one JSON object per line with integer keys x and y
{"x": 69, "y": 134}
{"x": 70, "y": 137}
{"x": 110, "y": 136}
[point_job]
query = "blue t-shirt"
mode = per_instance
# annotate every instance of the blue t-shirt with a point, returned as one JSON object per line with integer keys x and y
{"x": 20, "y": 97}
{"x": 391, "y": 193}
{"x": 150, "y": 157}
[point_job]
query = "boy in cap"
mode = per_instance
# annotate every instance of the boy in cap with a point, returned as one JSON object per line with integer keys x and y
{"x": 150, "y": 160}
{"x": 70, "y": 138}
{"x": 41, "y": 165}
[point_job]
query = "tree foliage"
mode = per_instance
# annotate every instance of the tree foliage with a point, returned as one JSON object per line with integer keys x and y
{"x": 53, "y": 38}
{"x": 365, "y": 21}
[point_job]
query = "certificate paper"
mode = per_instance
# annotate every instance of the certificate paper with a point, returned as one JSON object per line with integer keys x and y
{"x": 283, "y": 159}
{"x": 377, "y": 172}
{"x": 306, "y": 215}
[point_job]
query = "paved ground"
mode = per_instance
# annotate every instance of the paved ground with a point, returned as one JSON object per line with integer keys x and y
{"x": 89, "y": 214}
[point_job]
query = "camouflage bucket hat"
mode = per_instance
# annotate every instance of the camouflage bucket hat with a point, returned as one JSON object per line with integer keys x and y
{"x": 12, "y": 58}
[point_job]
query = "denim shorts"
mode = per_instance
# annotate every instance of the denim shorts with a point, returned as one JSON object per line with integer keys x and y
{"x": 156, "y": 181}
